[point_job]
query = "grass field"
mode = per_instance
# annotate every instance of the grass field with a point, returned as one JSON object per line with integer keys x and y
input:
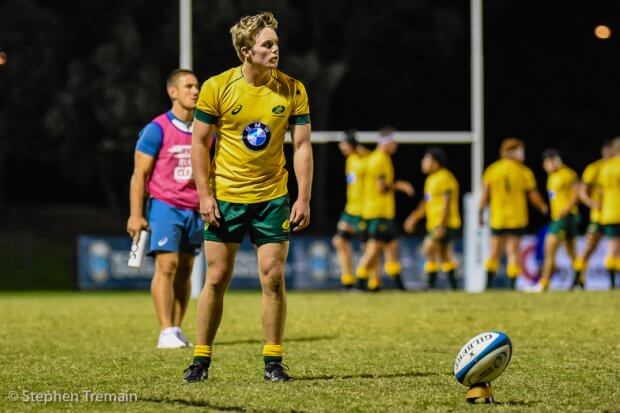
{"x": 348, "y": 352}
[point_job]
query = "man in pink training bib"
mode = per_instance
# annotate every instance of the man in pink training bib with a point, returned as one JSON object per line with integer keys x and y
{"x": 163, "y": 173}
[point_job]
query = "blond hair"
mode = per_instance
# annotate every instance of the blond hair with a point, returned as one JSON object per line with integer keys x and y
{"x": 510, "y": 144}
{"x": 246, "y": 29}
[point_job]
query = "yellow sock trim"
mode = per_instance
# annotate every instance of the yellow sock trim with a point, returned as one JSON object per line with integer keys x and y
{"x": 273, "y": 350}
{"x": 392, "y": 268}
{"x": 579, "y": 264}
{"x": 362, "y": 273}
{"x": 544, "y": 282}
{"x": 449, "y": 266}
{"x": 431, "y": 266}
{"x": 491, "y": 265}
{"x": 202, "y": 350}
{"x": 374, "y": 283}
{"x": 610, "y": 263}
{"x": 513, "y": 270}
{"x": 347, "y": 279}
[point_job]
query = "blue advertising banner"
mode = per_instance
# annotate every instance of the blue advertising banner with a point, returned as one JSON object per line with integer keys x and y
{"x": 312, "y": 264}
{"x": 102, "y": 264}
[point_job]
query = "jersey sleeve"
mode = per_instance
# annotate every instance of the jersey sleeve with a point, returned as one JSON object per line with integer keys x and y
{"x": 150, "y": 139}
{"x": 589, "y": 175}
{"x": 529, "y": 180}
{"x": 208, "y": 105}
{"x": 300, "y": 112}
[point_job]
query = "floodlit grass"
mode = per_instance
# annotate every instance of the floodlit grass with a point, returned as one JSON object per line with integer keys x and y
{"x": 348, "y": 352}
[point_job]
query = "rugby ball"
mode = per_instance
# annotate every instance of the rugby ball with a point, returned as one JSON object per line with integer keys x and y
{"x": 483, "y": 358}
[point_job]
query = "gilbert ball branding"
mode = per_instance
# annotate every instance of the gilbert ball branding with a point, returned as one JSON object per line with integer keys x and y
{"x": 483, "y": 358}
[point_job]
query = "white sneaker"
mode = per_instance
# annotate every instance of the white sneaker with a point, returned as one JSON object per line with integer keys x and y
{"x": 536, "y": 288}
{"x": 182, "y": 337}
{"x": 168, "y": 338}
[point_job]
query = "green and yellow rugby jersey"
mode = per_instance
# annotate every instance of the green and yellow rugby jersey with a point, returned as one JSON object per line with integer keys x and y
{"x": 251, "y": 122}
{"x": 561, "y": 189}
{"x": 590, "y": 178}
{"x": 436, "y": 186}
{"x": 509, "y": 182}
{"x": 377, "y": 204}
{"x": 354, "y": 169}
{"x": 609, "y": 180}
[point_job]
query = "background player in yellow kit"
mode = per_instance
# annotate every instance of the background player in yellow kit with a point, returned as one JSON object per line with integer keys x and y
{"x": 244, "y": 188}
{"x": 440, "y": 205}
{"x": 590, "y": 195}
{"x": 351, "y": 223}
{"x": 563, "y": 192}
{"x": 379, "y": 211}
{"x": 609, "y": 181}
{"x": 507, "y": 184}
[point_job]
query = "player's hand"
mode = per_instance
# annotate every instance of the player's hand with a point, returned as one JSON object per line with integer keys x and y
{"x": 595, "y": 205}
{"x": 544, "y": 210}
{"x": 300, "y": 215}
{"x": 135, "y": 224}
{"x": 481, "y": 217}
{"x": 409, "y": 225}
{"x": 404, "y": 186}
{"x": 209, "y": 210}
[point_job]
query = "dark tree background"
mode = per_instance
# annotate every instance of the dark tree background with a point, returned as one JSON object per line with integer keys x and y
{"x": 83, "y": 77}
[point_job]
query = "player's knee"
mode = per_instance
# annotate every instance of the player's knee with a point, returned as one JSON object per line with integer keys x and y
{"x": 273, "y": 282}
{"x": 167, "y": 267}
{"x": 337, "y": 241}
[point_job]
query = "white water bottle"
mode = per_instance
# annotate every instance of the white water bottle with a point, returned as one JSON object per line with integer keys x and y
{"x": 138, "y": 249}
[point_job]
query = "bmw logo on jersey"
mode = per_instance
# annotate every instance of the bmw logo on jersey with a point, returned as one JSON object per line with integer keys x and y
{"x": 256, "y": 136}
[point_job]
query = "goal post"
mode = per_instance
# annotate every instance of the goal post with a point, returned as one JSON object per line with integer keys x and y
{"x": 474, "y": 236}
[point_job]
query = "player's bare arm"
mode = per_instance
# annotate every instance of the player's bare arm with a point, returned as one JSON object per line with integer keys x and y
{"x": 201, "y": 160}
{"x": 414, "y": 217}
{"x": 143, "y": 166}
{"x": 484, "y": 200}
{"x": 304, "y": 165}
{"x": 585, "y": 195}
{"x": 404, "y": 187}
{"x": 537, "y": 200}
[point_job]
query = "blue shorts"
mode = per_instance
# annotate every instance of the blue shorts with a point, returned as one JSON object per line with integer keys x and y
{"x": 174, "y": 229}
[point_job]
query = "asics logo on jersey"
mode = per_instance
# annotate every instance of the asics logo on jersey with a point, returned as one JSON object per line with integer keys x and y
{"x": 236, "y": 109}
{"x": 256, "y": 136}
{"x": 278, "y": 110}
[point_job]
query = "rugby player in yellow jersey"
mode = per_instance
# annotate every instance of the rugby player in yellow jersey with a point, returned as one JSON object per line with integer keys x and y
{"x": 589, "y": 193}
{"x": 440, "y": 205}
{"x": 507, "y": 184}
{"x": 609, "y": 181}
{"x": 563, "y": 192}
{"x": 379, "y": 211}
{"x": 351, "y": 223}
{"x": 243, "y": 188}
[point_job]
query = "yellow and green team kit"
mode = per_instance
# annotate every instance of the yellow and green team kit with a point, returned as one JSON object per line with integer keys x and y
{"x": 609, "y": 181}
{"x": 437, "y": 186}
{"x": 562, "y": 188}
{"x": 355, "y": 166}
{"x": 590, "y": 178}
{"x": 247, "y": 174}
{"x": 509, "y": 182}
{"x": 379, "y": 207}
